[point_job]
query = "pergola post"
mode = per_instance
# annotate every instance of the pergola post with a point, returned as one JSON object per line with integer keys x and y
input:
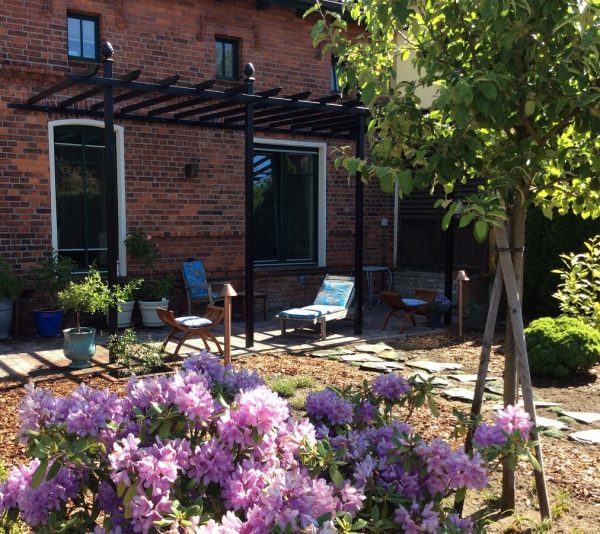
{"x": 249, "y": 228}
{"x": 110, "y": 164}
{"x": 358, "y": 228}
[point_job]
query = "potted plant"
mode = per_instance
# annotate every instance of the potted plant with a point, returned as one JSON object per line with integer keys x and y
{"x": 10, "y": 289}
{"x": 123, "y": 295}
{"x": 437, "y": 307}
{"x": 153, "y": 293}
{"x": 52, "y": 275}
{"x": 90, "y": 295}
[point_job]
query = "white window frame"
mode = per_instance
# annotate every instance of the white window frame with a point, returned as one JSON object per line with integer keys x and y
{"x": 120, "y": 145}
{"x": 321, "y": 188}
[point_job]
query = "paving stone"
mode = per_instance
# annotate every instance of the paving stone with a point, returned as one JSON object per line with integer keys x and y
{"x": 382, "y": 367}
{"x": 437, "y": 380}
{"x": 583, "y": 417}
{"x": 459, "y": 394}
{"x": 360, "y": 357}
{"x": 433, "y": 367}
{"x": 586, "y": 436}
{"x": 374, "y": 348}
{"x": 468, "y": 378}
{"x": 546, "y": 422}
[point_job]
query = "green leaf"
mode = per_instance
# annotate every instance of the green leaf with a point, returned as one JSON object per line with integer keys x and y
{"x": 352, "y": 165}
{"x": 529, "y": 107}
{"x": 466, "y": 219}
{"x": 367, "y": 93}
{"x": 54, "y": 469}
{"x": 481, "y": 230}
{"x": 405, "y": 182}
{"x": 40, "y": 474}
{"x": 489, "y": 90}
{"x": 317, "y": 28}
{"x": 129, "y": 494}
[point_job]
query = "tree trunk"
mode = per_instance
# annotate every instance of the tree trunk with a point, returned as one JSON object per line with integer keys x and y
{"x": 517, "y": 244}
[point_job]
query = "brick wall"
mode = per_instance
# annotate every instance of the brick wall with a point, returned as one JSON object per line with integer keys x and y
{"x": 197, "y": 217}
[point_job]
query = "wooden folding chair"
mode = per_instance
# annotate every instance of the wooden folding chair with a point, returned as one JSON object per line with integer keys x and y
{"x": 184, "y": 328}
{"x": 407, "y": 308}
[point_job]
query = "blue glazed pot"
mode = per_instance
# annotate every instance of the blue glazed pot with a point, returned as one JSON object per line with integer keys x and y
{"x": 80, "y": 346}
{"x": 48, "y": 322}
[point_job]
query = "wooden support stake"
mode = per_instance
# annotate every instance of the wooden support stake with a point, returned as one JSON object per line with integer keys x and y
{"x": 486, "y": 349}
{"x": 515, "y": 310}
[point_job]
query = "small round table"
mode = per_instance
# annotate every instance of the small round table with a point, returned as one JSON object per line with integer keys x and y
{"x": 369, "y": 270}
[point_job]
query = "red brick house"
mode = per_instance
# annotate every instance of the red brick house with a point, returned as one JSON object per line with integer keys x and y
{"x": 183, "y": 186}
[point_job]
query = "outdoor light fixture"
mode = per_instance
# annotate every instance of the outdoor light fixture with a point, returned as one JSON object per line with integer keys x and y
{"x": 227, "y": 292}
{"x": 461, "y": 277}
{"x": 191, "y": 170}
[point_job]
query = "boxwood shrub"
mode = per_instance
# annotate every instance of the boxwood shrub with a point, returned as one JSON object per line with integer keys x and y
{"x": 561, "y": 347}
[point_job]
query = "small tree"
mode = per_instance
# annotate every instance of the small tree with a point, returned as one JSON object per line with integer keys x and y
{"x": 516, "y": 109}
{"x": 89, "y": 295}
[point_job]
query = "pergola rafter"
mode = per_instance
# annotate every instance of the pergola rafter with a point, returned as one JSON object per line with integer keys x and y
{"x": 201, "y": 105}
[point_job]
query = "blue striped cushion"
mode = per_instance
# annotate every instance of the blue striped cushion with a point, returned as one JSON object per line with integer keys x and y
{"x": 310, "y": 312}
{"x": 191, "y": 321}
{"x": 414, "y": 302}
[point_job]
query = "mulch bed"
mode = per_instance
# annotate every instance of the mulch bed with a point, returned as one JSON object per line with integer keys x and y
{"x": 570, "y": 467}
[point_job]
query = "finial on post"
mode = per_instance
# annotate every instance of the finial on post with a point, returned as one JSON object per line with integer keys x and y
{"x": 249, "y": 71}
{"x": 107, "y": 51}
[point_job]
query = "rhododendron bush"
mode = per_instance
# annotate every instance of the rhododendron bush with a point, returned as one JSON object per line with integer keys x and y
{"x": 213, "y": 450}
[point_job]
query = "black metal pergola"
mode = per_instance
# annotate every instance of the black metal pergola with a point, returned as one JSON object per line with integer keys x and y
{"x": 236, "y": 108}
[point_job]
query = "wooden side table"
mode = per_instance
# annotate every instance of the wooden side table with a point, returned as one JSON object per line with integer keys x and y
{"x": 240, "y": 302}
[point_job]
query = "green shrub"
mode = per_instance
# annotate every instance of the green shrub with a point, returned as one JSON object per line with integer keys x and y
{"x": 136, "y": 356}
{"x": 561, "y": 347}
{"x": 579, "y": 290}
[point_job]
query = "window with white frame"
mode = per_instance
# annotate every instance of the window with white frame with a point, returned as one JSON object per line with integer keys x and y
{"x": 78, "y": 180}
{"x": 289, "y": 204}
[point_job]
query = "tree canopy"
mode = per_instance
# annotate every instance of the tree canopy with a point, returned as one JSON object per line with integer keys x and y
{"x": 517, "y": 105}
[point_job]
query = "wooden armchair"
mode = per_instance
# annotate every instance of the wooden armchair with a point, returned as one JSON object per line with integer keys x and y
{"x": 184, "y": 328}
{"x": 407, "y": 308}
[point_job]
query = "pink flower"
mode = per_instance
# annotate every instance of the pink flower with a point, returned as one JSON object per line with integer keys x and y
{"x": 514, "y": 419}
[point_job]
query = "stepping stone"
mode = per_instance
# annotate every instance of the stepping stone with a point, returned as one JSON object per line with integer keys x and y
{"x": 327, "y": 353}
{"x": 374, "y": 348}
{"x": 393, "y": 355}
{"x": 583, "y": 417}
{"x": 493, "y": 389}
{"x": 546, "y": 422}
{"x": 537, "y": 404}
{"x": 433, "y": 367}
{"x": 459, "y": 394}
{"x": 543, "y": 404}
{"x": 380, "y": 367}
{"x": 586, "y": 436}
{"x": 360, "y": 357}
{"x": 468, "y": 378}
{"x": 437, "y": 381}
